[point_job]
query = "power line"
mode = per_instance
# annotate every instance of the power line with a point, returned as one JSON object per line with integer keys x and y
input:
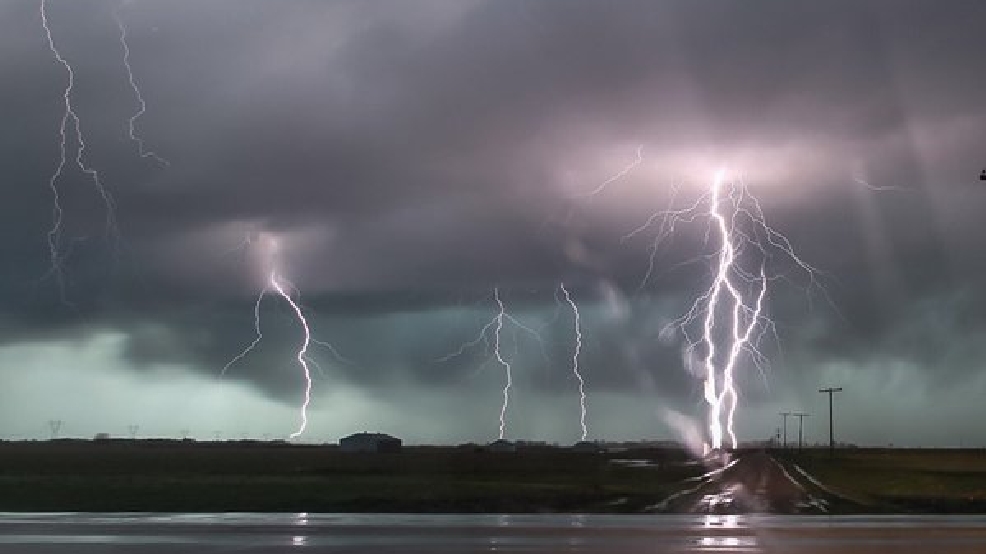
{"x": 801, "y": 426}
{"x": 784, "y": 415}
{"x": 830, "y": 391}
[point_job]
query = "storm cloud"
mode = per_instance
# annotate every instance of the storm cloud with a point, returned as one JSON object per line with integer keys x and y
{"x": 411, "y": 156}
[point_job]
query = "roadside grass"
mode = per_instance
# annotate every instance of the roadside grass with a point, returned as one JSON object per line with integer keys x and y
{"x": 902, "y": 476}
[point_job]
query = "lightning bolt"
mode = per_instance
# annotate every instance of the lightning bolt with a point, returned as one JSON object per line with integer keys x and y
{"x": 639, "y": 159}
{"x": 490, "y": 334}
{"x": 736, "y": 293}
{"x": 275, "y": 282}
{"x": 744, "y": 319}
{"x": 741, "y": 229}
{"x": 142, "y": 106}
{"x": 280, "y": 286}
{"x": 54, "y": 235}
{"x": 575, "y": 359}
{"x": 256, "y": 340}
{"x": 499, "y": 358}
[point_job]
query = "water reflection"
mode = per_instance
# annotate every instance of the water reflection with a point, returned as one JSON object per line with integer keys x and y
{"x": 728, "y": 521}
{"x": 511, "y": 534}
{"x": 729, "y": 544}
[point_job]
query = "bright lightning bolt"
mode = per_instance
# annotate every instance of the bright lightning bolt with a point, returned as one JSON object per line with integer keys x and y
{"x": 302, "y": 351}
{"x": 54, "y": 234}
{"x": 491, "y": 336}
{"x": 283, "y": 288}
{"x": 744, "y": 319}
{"x": 730, "y": 312}
{"x": 575, "y": 359}
{"x": 499, "y": 358}
{"x": 142, "y": 106}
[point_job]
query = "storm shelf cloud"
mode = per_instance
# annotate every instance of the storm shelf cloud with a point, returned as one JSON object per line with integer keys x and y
{"x": 411, "y": 156}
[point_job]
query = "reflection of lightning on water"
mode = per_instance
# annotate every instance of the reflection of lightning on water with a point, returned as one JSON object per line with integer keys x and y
{"x": 491, "y": 336}
{"x": 142, "y": 106}
{"x": 277, "y": 284}
{"x": 575, "y": 359}
{"x": 55, "y": 232}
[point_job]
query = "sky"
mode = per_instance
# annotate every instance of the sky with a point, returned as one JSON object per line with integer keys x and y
{"x": 410, "y": 158}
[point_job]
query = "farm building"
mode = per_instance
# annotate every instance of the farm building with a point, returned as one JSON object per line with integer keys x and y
{"x": 588, "y": 447}
{"x": 370, "y": 442}
{"x": 502, "y": 445}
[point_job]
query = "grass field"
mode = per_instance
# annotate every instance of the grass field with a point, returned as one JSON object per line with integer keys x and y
{"x": 174, "y": 476}
{"x": 238, "y": 476}
{"x": 903, "y": 479}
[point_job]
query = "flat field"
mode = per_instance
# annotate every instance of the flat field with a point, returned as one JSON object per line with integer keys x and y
{"x": 898, "y": 479}
{"x": 176, "y": 476}
{"x": 238, "y": 476}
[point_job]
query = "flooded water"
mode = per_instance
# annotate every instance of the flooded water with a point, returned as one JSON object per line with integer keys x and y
{"x": 65, "y": 533}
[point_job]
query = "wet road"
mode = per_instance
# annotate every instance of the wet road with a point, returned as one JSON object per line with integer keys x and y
{"x": 368, "y": 533}
{"x": 753, "y": 483}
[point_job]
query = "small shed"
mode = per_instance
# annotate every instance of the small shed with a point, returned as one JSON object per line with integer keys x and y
{"x": 588, "y": 447}
{"x": 370, "y": 442}
{"x": 502, "y": 445}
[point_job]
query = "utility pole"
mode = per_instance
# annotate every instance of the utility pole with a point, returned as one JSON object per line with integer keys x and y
{"x": 55, "y": 425}
{"x": 801, "y": 426}
{"x": 830, "y": 391}
{"x": 784, "y": 415}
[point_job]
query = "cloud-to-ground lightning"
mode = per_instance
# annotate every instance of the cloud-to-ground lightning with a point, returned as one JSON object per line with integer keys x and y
{"x": 69, "y": 115}
{"x": 737, "y": 294}
{"x": 302, "y": 351}
{"x": 491, "y": 335}
{"x": 277, "y": 284}
{"x": 508, "y": 372}
{"x": 575, "y": 360}
{"x": 141, "y": 105}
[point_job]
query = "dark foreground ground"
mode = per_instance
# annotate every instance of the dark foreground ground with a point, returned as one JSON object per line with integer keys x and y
{"x": 169, "y": 476}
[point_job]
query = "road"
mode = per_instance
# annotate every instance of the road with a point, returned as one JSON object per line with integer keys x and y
{"x": 754, "y": 483}
{"x": 533, "y": 534}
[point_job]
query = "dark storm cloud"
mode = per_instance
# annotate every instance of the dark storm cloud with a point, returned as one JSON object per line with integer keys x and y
{"x": 416, "y": 154}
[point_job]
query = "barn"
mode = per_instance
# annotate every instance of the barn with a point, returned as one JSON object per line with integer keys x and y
{"x": 370, "y": 442}
{"x": 502, "y": 445}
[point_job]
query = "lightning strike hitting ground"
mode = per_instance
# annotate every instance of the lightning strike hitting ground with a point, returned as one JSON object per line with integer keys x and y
{"x": 142, "y": 106}
{"x": 499, "y": 358}
{"x": 302, "y": 352}
{"x": 737, "y": 292}
{"x": 54, "y": 235}
{"x": 491, "y": 336}
{"x": 283, "y": 288}
{"x": 575, "y": 360}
